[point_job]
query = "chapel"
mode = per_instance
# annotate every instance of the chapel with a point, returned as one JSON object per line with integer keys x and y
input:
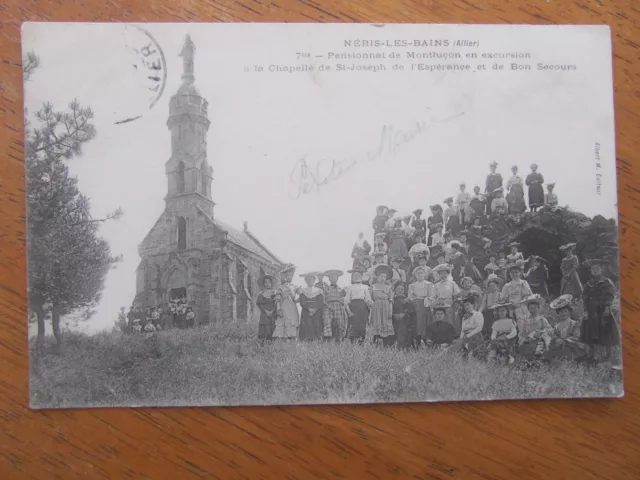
{"x": 190, "y": 253}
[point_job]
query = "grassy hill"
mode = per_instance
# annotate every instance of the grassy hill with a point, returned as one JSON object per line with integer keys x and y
{"x": 226, "y": 367}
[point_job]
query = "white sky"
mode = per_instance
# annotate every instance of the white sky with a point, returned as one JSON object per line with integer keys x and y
{"x": 263, "y": 124}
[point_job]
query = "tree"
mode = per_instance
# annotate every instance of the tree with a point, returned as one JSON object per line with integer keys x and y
{"x": 67, "y": 260}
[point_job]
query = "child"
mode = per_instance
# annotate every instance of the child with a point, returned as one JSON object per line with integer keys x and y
{"x": 420, "y": 292}
{"x": 357, "y": 302}
{"x": 534, "y": 331}
{"x": 335, "y": 315}
{"x": 565, "y": 344}
{"x": 382, "y": 296}
{"x": 312, "y": 303}
{"x": 463, "y": 201}
{"x": 403, "y": 318}
{"x": 537, "y": 276}
{"x": 266, "y": 303}
{"x": 499, "y": 204}
{"x": 503, "y": 333}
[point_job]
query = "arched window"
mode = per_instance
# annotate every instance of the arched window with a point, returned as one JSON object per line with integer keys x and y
{"x": 180, "y": 177}
{"x": 203, "y": 178}
{"x": 182, "y": 233}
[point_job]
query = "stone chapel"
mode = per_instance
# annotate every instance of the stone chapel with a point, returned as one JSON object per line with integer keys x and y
{"x": 189, "y": 252}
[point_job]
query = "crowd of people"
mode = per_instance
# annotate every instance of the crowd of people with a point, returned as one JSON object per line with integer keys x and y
{"x": 420, "y": 288}
{"x": 174, "y": 314}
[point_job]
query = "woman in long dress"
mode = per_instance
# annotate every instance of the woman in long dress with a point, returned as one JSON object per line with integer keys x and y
{"x": 288, "y": 320}
{"x": 599, "y": 327}
{"x": 403, "y": 318}
{"x": 335, "y": 315}
{"x": 570, "y": 283}
{"x": 490, "y": 297}
{"x": 538, "y": 276}
{"x": 517, "y": 290}
{"x": 445, "y": 292}
{"x": 536, "y": 193}
{"x": 434, "y": 222}
{"x": 515, "y": 195}
{"x": 380, "y": 316}
{"x": 266, "y": 303}
{"x": 451, "y": 218}
{"x": 420, "y": 292}
{"x": 398, "y": 241}
{"x": 565, "y": 343}
{"x": 312, "y": 303}
{"x": 534, "y": 331}
{"x": 357, "y": 303}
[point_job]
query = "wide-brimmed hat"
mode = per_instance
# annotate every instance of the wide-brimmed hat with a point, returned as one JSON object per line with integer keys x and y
{"x": 533, "y": 165}
{"x": 551, "y": 184}
{"x": 502, "y": 303}
{"x": 535, "y": 298}
{"x": 447, "y": 200}
{"x": 513, "y": 244}
{"x": 379, "y": 253}
{"x": 563, "y": 301}
{"x": 365, "y": 257}
{"x": 456, "y": 243}
{"x": 443, "y": 267}
{"x": 435, "y": 207}
{"x": 498, "y": 190}
{"x": 383, "y": 268}
{"x": 262, "y": 279}
{"x": 392, "y": 210}
{"x": 440, "y": 306}
{"x": 419, "y": 269}
{"x": 467, "y": 278}
{"x": 463, "y": 183}
{"x": 538, "y": 258}
{"x": 493, "y": 164}
{"x": 380, "y": 235}
{"x": 382, "y": 207}
{"x": 568, "y": 245}
{"x": 517, "y": 265}
{"x": 397, "y": 259}
{"x": 417, "y": 211}
{"x": 596, "y": 261}
{"x": 288, "y": 267}
{"x": 328, "y": 273}
{"x": 309, "y": 275}
{"x": 406, "y": 217}
{"x": 356, "y": 270}
{"x": 469, "y": 297}
{"x": 494, "y": 278}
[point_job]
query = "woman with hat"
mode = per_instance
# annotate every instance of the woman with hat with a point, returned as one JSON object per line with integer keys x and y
{"x": 503, "y": 333}
{"x": 515, "y": 189}
{"x": 458, "y": 259}
{"x": 360, "y": 248}
{"x": 463, "y": 201}
{"x": 599, "y": 327}
{"x": 434, "y": 222}
{"x": 312, "y": 303}
{"x": 570, "y": 283}
{"x": 403, "y": 318}
{"x": 408, "y": 230}
{"x": 489, "y": 298}
{"x": 357, "y": 302}
{"x": 398, "y": 241}
{"x": 534, "y": 331}
{"x": 419, "y": 247}
{"x": 380, "y": 245}
{"x": 550, "y": 198}
{"x": 471, "y": 338}
{"x": 451, "y": 217}
{"x": 266, "y": 303}
{"x": 517, "y": 289}
{"x": 538, "y": 275}
{"x": 366, "y": 263}
{"x": 565, "y": 344}
{"x": 419, "y": 225}
{"x": 536, "y": 193}
{"x": 437, "y": 239}
{"x": 440, "y": 332}
{"x": 421, "y": 260}
{"x": 380, "y": 220}
{"x": 499, "y": 204}
{"x": 398, "y": 274}
{"x": 477, "y": 204}
{"x": 467, "y": 288}
{"x": 514, "y": 255}
{"x": 382, "y": 296}
{"x": 493, "y": 182}
{"x": 288, "y": 320}
{"x": 335, "y": 315}
{"x": 420, "y": 293}
{"x": 446, "y": 291}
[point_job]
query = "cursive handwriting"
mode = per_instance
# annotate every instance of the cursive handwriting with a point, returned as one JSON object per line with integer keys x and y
{"x": 308, "y": 178}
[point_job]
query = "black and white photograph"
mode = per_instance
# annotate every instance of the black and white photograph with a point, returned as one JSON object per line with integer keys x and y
{"x": 280, "y": 214}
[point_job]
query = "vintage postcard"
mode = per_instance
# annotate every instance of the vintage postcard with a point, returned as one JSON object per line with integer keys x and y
{"x": 276, "y": 214}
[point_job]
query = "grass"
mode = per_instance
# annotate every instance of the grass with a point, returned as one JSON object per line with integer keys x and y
{"x": 227, "y": 367}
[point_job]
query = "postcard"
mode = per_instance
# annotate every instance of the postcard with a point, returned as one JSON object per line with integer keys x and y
{"x": 279, "y": 214}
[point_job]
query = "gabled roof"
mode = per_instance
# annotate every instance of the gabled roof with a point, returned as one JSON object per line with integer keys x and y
{"x": 244, "y": 239}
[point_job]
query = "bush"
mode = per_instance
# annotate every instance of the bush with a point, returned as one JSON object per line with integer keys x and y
{"x": 227, "y": 367}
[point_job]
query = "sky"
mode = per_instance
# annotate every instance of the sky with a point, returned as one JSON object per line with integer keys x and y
{"x": 265, "y": 126}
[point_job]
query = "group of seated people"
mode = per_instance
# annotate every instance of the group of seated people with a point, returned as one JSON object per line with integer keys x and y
{"x": 150, "y": 319}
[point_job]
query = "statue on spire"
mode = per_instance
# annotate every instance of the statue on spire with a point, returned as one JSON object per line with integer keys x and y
{"x": 187, "y": 52}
